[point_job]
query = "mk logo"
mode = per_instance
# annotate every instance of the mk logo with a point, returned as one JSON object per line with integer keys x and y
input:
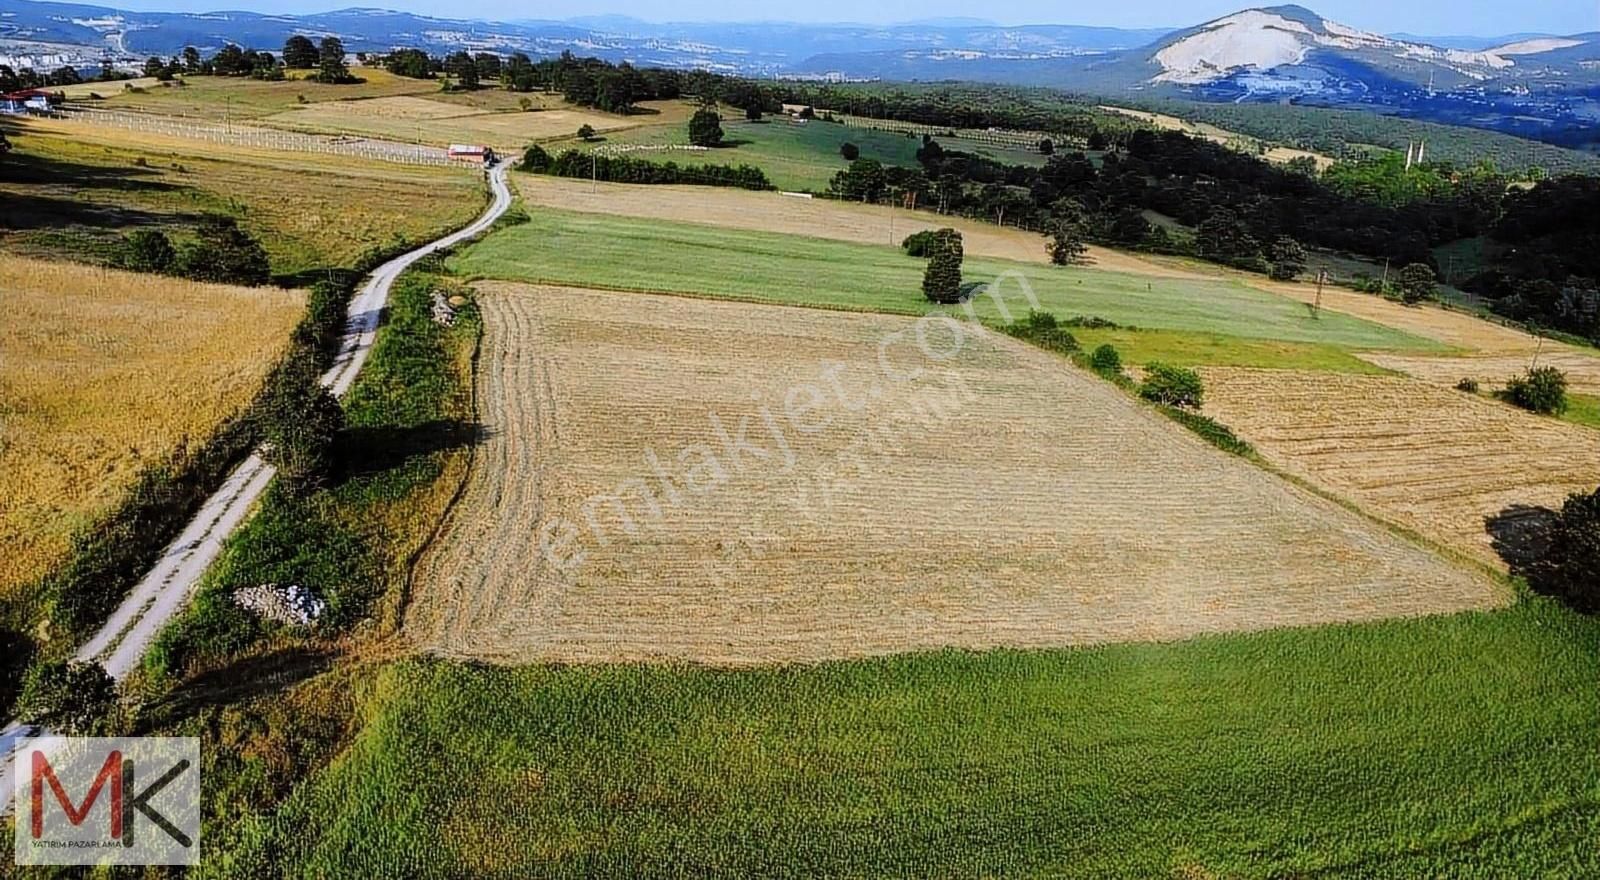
{"x": 108, "y": 801}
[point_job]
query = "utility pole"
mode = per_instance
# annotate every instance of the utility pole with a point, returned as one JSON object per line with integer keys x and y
{"x": 1385, "y": 282}
{"x": 594, "y": 173}
{"x": 1316, "y": 308}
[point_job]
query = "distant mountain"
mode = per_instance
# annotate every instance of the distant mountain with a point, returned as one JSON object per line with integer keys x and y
{"x": 1536, "y": 85}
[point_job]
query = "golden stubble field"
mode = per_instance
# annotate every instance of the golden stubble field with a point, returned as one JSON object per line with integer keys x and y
{"x": 1000, "y": 497}
{"x": 1416, "y": 453}
{"x": 103, "y": 372}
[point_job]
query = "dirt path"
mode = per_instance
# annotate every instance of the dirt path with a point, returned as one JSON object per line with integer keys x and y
{"x": 165, "y": 590}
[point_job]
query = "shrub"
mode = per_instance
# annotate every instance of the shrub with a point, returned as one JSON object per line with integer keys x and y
{"x": 1173, "y": 386}
{"x": 1043, "y": 330}
{"x": 67, "y": 698}
{"x": 1468, "y": 385}
{"x": 225, "y": 254}
{"x": 299, "y": 420}
{"x": 1288, "y": 259}
{"x": 849, "y": 151}
{"x": 941, "y": 281}
{"x": 535, "y": 160}
{"x": 1106, "y": 359}
{"x": 917, "y": 244}
{"x": 1542, "y": 390}
{"x": 148, "y": 250}
{"x": 1416, "y": 283}
{"x": 753, "y": 113}
{"x": 1570, "y": 567}
{"x": 586, "y": 132}
{"x": 1209, "y": 429}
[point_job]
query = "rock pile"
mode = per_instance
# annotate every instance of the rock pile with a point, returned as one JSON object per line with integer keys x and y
{"x": 283, "y": 603}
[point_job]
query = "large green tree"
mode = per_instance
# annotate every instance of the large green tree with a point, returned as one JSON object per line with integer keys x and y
{"x": 1570, "y": 567}
{"x": 1416, "y": 282}
{"x": 1288, "y": 258}
{"x": 299, "y": 53}
{"x": 224, "y": 253}
{"x": 330, "y": 62}
{"x": 941, "y": 281}
{"x": 705, "y": 128}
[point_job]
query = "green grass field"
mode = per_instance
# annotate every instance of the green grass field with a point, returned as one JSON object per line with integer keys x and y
{"x": 795, "y": 156}
{"x": 1442, "y": 746}
{"x": 562, "y": 247}
{"x": 1583, "y": 410}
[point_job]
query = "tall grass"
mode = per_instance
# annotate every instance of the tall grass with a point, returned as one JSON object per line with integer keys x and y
{"x": 1444, "y": 746}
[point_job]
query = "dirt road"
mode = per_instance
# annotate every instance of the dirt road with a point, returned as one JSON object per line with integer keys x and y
{"x": 166, "y": 588}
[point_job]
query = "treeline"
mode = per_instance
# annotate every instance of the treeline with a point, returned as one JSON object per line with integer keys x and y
{"x": 589, "y": 82}
{"x": 1343, "y": 133}
{"x": 1548, "y": 270}
{"x": 621, "y": 169}
{"x": 327, "y": 58}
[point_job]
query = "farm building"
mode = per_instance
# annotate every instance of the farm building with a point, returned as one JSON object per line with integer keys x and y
{"x": 26, "y": 101}
{"x": 472, "y": 153}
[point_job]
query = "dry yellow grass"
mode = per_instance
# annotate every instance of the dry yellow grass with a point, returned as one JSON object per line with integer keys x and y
{"x": 102, "y": 372}
{"x": 309, "y": 209}
{"x": 1423, "y": 456}
{"x": 430, "y": 121}
{"x": 1219, "y": 135}
{"x": 1001, "y": 498}
{"x": 1582, "y": 368}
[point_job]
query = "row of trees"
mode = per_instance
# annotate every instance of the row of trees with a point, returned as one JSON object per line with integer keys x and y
{"x": 621, "y": 169}
{"x": 220, "y": 252}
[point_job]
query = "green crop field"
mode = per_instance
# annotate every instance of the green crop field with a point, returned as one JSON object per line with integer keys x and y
{"x": 795, "y": 156}
{"x": 561, "y": 247}
{"x": 1417, "y": 748}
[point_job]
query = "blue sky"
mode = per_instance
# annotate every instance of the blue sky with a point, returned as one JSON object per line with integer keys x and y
{"x": 1478, "y": 17}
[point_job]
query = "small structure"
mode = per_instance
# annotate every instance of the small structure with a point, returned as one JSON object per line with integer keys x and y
{"x": 26, "y": 101}
{"x": 472, "y": 153}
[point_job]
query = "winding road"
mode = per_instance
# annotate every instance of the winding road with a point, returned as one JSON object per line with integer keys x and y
{"x": 167, "y": 587}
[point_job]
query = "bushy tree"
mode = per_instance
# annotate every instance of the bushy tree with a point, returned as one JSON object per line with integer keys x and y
{"x": 705, "y": 128}
{"x": 535, "y": 160}
{"x": 1416, "y": 283}
{"x": 299, "y": 53}
{"x": 299, "y": 421}
{"x": 1173, "y": 386}
{"x": 465, "y": 71}
{"x": 919, "y": 243}
{"x": 941, "y": 281}
{"x": 1105, "y": 359}
{"x": 1288, "y": 259}
{"x": 1570, "y": 567}
{"x": 865, "y": 179}
{"x": 72, "y": 699}
{"x": 1542, "y": 390}
{"x": 223, "y": 253}
{"x": 1225, "y": 238}
{"x": 1066, "y": 245}
{"x": 191, "y": 59}
{"x": 1047, "y": 147}
{"x": 330, "y": 62}
{"x": 586, "y": 132}
{"x": 412, "y": 63}
{"x": 148, "y": 250}
{"x": 849, "y": 151}
{"x": 752, "y": 113}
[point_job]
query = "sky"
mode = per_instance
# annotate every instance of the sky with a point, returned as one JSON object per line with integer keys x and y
{"x": 1426, "y": 17}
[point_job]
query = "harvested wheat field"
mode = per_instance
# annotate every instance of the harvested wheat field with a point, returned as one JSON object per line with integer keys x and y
{"x": 102, "y": 372}
{"x": 1424, "y": 456}
{"x": 1001, "y": 497}
{"x": 821, "y": 218}
{"x": 1582, "y": 369}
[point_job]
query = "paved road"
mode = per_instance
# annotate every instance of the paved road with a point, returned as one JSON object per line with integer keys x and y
{"x": 166, "y": 588}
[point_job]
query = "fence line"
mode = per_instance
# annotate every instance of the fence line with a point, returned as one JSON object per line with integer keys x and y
{"x": 267, "y": 138}
{"x": 1021, "y": 140}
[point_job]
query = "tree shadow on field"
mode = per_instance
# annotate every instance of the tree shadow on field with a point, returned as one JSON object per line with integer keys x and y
{"x": 1521, "y": 535}
{"x": 731, "y": 143}
{"x": 367, "y": 451}
{"x": 43, "y": 192}
{"x": 243, "y": 678}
